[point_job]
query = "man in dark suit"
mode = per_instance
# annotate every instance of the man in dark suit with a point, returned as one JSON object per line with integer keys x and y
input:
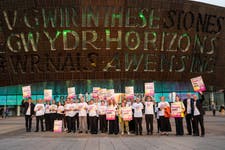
{"x": 28, "y": 112}
{"x": 198, "y": 113}
{"x": 189, "y": 105}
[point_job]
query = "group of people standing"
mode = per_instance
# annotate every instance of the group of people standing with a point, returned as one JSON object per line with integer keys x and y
{"x": 125, "y": 117}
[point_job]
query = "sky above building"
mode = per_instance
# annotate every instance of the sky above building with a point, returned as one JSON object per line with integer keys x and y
{"x": 213, "y": 2}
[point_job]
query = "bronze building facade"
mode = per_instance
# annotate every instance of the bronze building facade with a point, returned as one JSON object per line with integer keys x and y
{"x": 119, "y": 40}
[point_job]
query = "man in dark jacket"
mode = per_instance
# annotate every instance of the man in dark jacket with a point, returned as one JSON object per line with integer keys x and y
{"x": 198, "y": 113}
{"x": 189, "y": 104}
{"x": 28, "y": 112}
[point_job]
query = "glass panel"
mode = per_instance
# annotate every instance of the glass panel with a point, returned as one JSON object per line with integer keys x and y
{"x": 2, "y": 100}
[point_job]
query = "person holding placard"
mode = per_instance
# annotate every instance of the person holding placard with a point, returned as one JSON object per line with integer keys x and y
{"x": 130, "y": 102}
{"x": 149, "y": 114}
{"x": 125, "y": 113}
{"x": 102, "y": 116}
{"x": 60, "y": 111}
{"x": 28, "y": 112}
{"x": 67, "y": 123}
{"x": 77, "y": 114}
{"x": 157, "y": 117}
{"x": 82, "y": 107}
{"x": 72, "y": 114}
{"x": 39, "y": 112}
{"x": 111, "y": 116}
{"x": 177, "y": 111}
{"x": 138, "y": 107}
{"x": 189, "y": 104}
{"x": 163, "y": 108}
{"x": 198, "y": 114}
{"x": 53, "y": 111}
{"x": 47, "y": 116}
{"x": 97, "y": 103}
{"x": 92, "y": 108}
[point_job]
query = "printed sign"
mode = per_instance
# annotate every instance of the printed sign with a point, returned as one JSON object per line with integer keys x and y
{"x": 149, "y": 89}
{"x": 198, "y": 84}
{"x": 48, "y": 94}
{"x": 96, "y": 91}
{"x": 176, "y": 110}
{"x": 58, "y": 126}
{"x": 110, "y": 93}
{"x": 71, "y": 92}
{"x": 127, "y": 113}
{"x": 110, "y": 114}
{"x": 129, "y": 92}
{"x": 102, "y": 94}
{"x": 26, "y": 91}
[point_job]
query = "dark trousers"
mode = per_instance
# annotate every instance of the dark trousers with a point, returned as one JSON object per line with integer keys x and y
{"x": 28, "y": 122}
{"x": 77, "y": 120}
{"x": 158, "y": 125}
{"x": 71, "y": 125}
{"x": 68, "y": 123}
{"x": 179, "y": 126}
{"x": 88, "y": 122}
{"x": 165, "y": 125}
{"x": 103, "y": 123}
{"x": 39, "y": 119}
{"x": 93, "y": 124}
{"x": 199, "y": 120}
{"x": 138, "y": 124}
{"x": 47, "y": 122}
{"x": 97, "y": 120}
{"x": 149, "y": 123}
{"x": 132, "y": 126}
{"x": 60, "y": 116}
{"x": 190, "y": 124}
{"x": 214, "y": 112}
{"x": 52, "y": 119}
{"x": 114, "y": 126}
{"x": 65, "y": 121}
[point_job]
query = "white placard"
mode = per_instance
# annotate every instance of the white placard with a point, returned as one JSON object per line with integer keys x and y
{"x": 129, "y": 92}
{"x": 26, "y": 91}
{"x": 149, "y": 89}
{"x": 48, "y": 94}
{"x": 71, "y": 92}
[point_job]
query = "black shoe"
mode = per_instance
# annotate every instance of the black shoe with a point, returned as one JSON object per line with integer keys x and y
{"x": 36, "y": 131}
{"x": 147, "y": 133}
{"x": 80, "y": 131}
{"x": 86, "y": 132}
{"x": 140, "y": 133}
{"x": 68, "y": 131}
{"x": 202, "y": 135}
{"x": 136, "y": 133}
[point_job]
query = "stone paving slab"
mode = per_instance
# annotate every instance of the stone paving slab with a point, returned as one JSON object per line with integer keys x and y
{"x": 114, "y": 143}
{"x": 14, "y": 137}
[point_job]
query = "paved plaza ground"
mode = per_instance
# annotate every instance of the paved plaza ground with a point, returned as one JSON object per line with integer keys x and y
{"x": 14, "y": 137}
